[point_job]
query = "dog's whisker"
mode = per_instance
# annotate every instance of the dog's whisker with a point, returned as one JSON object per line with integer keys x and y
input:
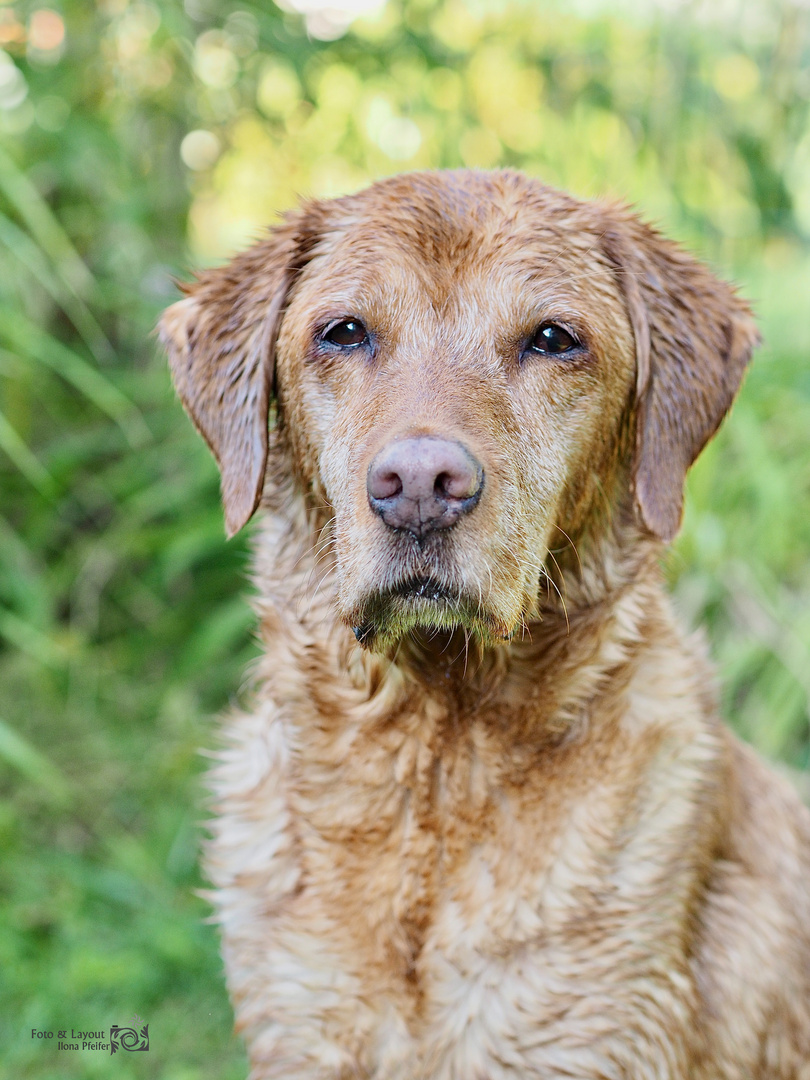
{"x": 559, "y": 571}
{"x": 553, "y": 584}
{"x": 571, "y": 544}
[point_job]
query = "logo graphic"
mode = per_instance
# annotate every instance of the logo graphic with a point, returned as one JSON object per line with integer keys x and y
{"x": 130, "y": 1038}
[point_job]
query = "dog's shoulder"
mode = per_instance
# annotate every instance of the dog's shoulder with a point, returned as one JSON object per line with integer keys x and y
{"x": 757, "y": 908}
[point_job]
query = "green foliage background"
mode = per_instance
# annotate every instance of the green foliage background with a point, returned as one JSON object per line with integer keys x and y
{"x": 123, "y": 628}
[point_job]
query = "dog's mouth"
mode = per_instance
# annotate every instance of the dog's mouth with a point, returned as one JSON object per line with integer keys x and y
{"x": 421, "y": 603}
{"x": 424, "y": 588}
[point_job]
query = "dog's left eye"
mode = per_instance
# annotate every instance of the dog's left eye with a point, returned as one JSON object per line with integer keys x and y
{"x": 348, "y": 334}
{"x": 551, "y": 339}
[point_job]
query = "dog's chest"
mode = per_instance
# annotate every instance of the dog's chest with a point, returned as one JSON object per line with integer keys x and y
{"x": 422, "y": 913}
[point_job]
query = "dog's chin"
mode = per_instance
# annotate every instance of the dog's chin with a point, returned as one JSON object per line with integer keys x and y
{"x": 423, "y": 606}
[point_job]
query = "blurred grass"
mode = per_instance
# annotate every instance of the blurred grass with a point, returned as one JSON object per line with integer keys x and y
{"x": 152, "y": 137}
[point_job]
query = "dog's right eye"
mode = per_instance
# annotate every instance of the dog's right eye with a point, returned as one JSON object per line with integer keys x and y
{"x": 347, "y": 334}
{"x": 551, "y": 340}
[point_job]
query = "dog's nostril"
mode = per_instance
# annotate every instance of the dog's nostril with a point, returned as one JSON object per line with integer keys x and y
{"x": 388, "y": 484}
{"x": 461, "y": 484}
{"x": 441, "y": 487}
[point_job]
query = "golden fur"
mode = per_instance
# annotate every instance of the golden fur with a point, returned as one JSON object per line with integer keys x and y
{"x": 502, "y": 834}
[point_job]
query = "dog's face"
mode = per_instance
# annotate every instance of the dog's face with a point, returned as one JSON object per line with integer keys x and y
{"x": 471, "y": 369}
{"x": 455, "y": 382}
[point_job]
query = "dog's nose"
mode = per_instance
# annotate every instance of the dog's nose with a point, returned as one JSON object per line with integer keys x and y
{"x": 423, "y": 484}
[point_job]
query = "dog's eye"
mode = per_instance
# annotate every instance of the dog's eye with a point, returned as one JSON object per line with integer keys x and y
{"x": 348, "y": 334}
{"x": 551, "y": 340}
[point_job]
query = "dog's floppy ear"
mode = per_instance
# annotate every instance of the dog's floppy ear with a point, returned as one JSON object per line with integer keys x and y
{"x": 221, "y": 342}
{"x": 694, "y": 339}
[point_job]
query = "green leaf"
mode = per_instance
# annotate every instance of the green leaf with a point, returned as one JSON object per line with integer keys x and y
{"x": 30, "y": 341}
{"x": 19, "y": 753}
{"x": 43, "y": 224}
{"x": 58, "y": 285}
{"x": 25, "y": 461}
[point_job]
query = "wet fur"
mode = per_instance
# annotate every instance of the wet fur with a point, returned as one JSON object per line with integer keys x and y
{"x": 504, "y": 835}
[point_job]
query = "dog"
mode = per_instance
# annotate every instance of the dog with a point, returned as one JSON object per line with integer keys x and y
{"x": 482, "y": 820}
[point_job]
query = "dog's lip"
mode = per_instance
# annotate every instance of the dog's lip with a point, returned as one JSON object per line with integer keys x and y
{"x": 422, "y": 591}
{"x": 422, "y": 587}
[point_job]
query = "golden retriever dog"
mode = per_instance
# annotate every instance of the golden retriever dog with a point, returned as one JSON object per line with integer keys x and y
{"x": 482, "y": 820}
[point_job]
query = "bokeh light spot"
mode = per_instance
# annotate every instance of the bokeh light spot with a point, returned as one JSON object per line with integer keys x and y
{"x": 200, "y": 149}
{"x": 214, "y": 62}
{"x": 13, "y": 87}
{"x": 279, "y": 90}
{"x": 46, "y": 30}
{"x": 736, "y": 77}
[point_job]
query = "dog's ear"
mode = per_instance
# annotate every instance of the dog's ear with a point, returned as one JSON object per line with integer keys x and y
{"x": 694, "y": 338}
{"x": 221, "y": 343}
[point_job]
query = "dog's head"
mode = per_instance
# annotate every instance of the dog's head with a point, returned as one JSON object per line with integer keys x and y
{"x": 468, "y": 368}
